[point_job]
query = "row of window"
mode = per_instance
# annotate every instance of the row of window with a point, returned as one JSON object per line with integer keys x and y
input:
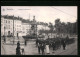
{"x": 9, "y": 21}
{"x": 9, "y": 27}
{"x": 18, "y": 25}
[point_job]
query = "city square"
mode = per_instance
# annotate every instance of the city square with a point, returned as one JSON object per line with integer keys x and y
{"x": 24, "y": 32}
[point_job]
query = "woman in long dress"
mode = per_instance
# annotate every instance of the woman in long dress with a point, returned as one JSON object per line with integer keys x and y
{"x": 47, "y": 49}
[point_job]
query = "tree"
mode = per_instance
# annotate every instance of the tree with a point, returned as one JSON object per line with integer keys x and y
{"x": 51, "y": 28}
{"x": 62, "y": 27}
{"x": 58, "y": 25}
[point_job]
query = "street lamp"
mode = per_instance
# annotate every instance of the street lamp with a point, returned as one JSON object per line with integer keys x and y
{"x": 4, "y": 35}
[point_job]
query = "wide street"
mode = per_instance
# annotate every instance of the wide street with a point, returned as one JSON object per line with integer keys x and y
{"x": 31, "y": 49}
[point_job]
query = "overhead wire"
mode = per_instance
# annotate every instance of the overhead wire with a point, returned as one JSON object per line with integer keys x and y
{"x": 62, "y": 11}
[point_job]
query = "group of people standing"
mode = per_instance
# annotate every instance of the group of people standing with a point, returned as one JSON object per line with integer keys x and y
{"x": 45, "y": 45}
{"x": 42, "y": 46}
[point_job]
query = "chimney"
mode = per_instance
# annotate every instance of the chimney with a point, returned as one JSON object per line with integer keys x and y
{"x": 33, "y": 17}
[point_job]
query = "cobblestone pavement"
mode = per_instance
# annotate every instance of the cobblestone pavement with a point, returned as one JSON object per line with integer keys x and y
{"x": 31, "y": 49}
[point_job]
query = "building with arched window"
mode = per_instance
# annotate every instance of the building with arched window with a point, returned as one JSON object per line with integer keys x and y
{"x": 18, "y": 26}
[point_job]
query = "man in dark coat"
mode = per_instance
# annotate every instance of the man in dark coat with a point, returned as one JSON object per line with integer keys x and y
{"x": 42, "y": 48}
{"x": 39, "y": 47}
{"x": 53, "y": 45}
{"x": 64, "y": 45}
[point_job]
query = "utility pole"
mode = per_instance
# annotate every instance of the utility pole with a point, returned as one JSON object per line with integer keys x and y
{"x": 36, "y": 30}
{"x": 13, "y": 29}
{"x": 35, "y": 26}
{"x": 29, "y": 25}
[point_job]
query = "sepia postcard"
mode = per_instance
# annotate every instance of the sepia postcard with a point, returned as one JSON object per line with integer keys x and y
{"x": 39, "y": 30}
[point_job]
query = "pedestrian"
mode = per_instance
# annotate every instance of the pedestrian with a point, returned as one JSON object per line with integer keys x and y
{"x": 59, "y": 43}
{"x": 42, "y": 48}
{"x": 18, "y": 50}
{"x": 4, "y": 38}
{"x": 53, "y": 45}
{"x": 36, "y": 42}
{"x": 22, "y": 48}
{"x": 25, "y": 42}
{"x": 47, "y": 48}
{"x": 39, "y": 47}
{"x": 64, "y": 45}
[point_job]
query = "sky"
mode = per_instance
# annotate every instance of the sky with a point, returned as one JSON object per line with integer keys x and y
{"x": 43, "y": 13}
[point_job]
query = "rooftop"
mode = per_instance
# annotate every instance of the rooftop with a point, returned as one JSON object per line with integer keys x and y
{"x": 23, "y": 20}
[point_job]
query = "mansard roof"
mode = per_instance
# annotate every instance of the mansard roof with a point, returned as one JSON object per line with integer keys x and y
{"x": 12, "y": 17}
{"x": 23, "y": 20}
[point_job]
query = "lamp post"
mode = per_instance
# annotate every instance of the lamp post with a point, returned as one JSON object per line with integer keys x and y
{"x": 35, "y": 27}
{"x": 4, "y": 35}
{"x": 36, "y": 30}
{"x": 13, "y": 29}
